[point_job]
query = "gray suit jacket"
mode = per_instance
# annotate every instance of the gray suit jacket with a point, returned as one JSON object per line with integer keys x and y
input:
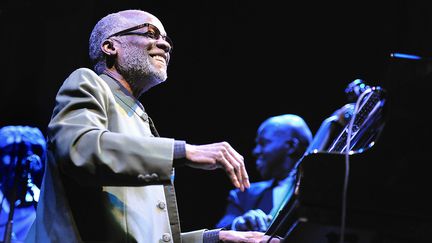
{"x": 108, "y": 178}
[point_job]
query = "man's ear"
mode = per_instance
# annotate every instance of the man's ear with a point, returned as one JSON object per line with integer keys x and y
{"x": 292, "y": 145}
{"x": 109, "y": 48}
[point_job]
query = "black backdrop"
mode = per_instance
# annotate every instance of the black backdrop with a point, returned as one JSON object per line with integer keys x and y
{"x": 234, "y": 64}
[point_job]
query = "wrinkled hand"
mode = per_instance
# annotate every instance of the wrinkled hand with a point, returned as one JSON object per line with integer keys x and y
{"x": 255, "y": 220}
{"x": 230, "y": 236}
{"x": 219, "y": 155}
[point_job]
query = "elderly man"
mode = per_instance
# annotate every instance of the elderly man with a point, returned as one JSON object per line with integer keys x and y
{"x": 109, "y": 176}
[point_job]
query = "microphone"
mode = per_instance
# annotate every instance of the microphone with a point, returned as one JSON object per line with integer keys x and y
{"x": 33, "y": 163}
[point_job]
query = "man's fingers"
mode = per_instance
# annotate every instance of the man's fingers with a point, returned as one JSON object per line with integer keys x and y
{"x": 255, "y": 220}
{"x": 245, "y": 176}
{"x": 262, "y": 220}
{"x": 237, "y": 168}
{"x": 240, "y": 167}
{"x": 262, "y": 226}
{"x": 241, "y": 224}
{"x": 250, "y": 221}
{"x": 230, "y": 171}
{"x": 242, "y": 173}
{"x": 219, "y": 155}
{"x": 238, "y": 173}
{"x": 232, "y": 166}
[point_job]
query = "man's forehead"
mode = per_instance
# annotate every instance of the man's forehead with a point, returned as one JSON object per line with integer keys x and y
{"x": 137, "y": 18}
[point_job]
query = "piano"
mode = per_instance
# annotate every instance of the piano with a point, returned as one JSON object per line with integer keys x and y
{"x": 377, "y": 191}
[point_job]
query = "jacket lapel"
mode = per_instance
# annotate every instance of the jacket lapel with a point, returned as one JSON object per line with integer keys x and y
{"x": 128, "y": 102}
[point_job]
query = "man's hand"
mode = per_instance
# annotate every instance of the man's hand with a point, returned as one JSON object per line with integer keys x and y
{"x": 219, "y": 155}
{"x": 255, "y": 220}
{"x": 230, "y": 236}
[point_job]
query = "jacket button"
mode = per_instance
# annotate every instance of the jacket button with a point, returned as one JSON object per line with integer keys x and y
{"x": 146, "y": 178}
{"x": 154, "y": 177}
{"x": 161, "y": 205}
{"x": 166, "y": 237}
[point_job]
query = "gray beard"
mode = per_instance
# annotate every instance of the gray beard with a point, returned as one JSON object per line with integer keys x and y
{"x": 137, "y": 68}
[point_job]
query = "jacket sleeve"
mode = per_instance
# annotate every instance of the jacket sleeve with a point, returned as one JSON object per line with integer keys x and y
{"x": 193, "y": 236}
{"x": 88, "y": 152}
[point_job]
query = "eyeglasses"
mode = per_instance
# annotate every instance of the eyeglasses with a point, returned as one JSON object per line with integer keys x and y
{"x": 152, "y": 33}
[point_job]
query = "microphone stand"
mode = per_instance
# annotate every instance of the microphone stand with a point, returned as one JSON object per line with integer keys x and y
{"x": 18, "y": 188}
{"x": 8, "y": 230}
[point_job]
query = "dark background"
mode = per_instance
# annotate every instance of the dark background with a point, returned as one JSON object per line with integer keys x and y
{"x": 234, "y": 64}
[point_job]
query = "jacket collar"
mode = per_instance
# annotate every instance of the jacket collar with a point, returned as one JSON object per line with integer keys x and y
{"x": 124, "y": 98}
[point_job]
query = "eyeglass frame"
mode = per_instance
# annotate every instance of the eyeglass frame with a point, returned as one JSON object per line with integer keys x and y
{"x": 128, "y": 31}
